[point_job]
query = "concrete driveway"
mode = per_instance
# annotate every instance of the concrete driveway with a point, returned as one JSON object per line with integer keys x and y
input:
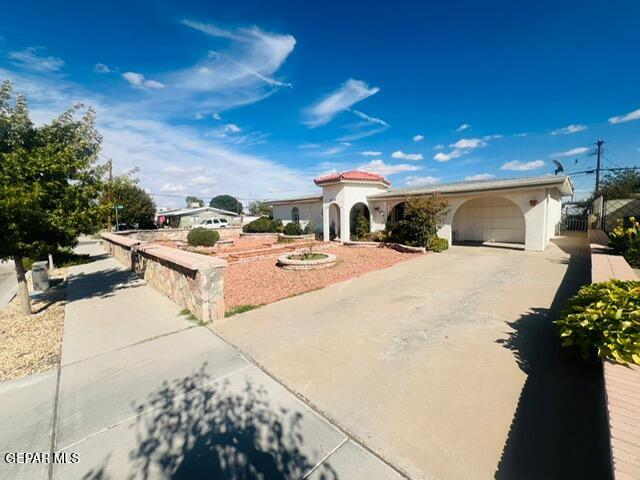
{"x": 445, "y": 365}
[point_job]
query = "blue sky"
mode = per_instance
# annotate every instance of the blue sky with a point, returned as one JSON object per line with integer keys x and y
{"x": 257, "y": 98}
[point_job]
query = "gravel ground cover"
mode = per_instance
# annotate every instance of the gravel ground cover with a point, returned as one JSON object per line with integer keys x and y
{"x": 32, "y": 345}
{"x": 261, "y": 281}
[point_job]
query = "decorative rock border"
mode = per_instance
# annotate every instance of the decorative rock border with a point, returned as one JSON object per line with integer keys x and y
{"x": 307, "y": 236}
{"x": 259, "y": 234}
{"x": 289, "y": 264}
{"x": 396, "y": 246}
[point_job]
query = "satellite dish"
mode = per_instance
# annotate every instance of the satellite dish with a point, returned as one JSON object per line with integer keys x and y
{"x": 559, "y": 167}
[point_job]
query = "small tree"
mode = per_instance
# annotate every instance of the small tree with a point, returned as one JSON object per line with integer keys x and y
{"x": 190, "y": 200}
{"x": 422, "y": 216}
{"x": 362, "y": 227}
{"x": 260, "y": 209}
{"x": 49, "y": 182}
{"x": 226, "y": 202}
{"x": 138, "y": 208}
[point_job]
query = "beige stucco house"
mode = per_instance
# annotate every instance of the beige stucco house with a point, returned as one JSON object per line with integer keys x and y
{"x": 523, "y": 211}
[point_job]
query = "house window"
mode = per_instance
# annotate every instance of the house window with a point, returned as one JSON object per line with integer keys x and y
{"x": 295, "y": 215}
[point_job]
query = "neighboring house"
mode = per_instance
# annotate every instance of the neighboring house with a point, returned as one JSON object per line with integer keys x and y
{"x": 524, "y": 211}
{"x": 187, "y": 217}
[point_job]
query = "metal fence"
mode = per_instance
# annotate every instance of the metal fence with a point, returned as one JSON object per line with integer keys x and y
{"x": 574, "y": 224}
{"x": 620, "y": 209}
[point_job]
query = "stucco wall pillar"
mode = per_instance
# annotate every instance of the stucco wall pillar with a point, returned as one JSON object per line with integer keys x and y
{"x": 326, "y": 222}
{"x": 345, "y": 223}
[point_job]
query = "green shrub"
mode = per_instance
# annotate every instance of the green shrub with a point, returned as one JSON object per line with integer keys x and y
{"x": 292, "y": 228}
{"x": 625, "y": 240}
{"x": 309, "y": 228}
{"x": 437, "y": 244}
{"x": 362, "y": 227}
{"x": 422, "y": 215}
{"x": 202, "y": 237}
{"x": 604, "y": 318}
{"x": 262, "y": 225}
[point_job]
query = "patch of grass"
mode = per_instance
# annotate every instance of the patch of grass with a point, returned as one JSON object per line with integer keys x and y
{"x": 308, "y": 256}
{"x": 285, "y": 240}
{"x": 61, "y": 258}
{"x": 185, "y": 312}
{"x": 240, "y": 309}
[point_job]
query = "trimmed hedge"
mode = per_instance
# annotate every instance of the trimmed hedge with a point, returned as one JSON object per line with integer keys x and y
{"x": 604, "y": 318}
{"x": 292, "y": 228}
{"x": 263, "y": 225}
{"x": 437, "y": 244}
{"x": 201, "y": 237}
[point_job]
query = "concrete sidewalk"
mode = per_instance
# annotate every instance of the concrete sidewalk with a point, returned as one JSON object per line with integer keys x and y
{"x": 144, "y": 393}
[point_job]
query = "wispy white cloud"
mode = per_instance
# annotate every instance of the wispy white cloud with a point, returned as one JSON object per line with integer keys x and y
{"x": 348, "y": 94}
{"x": 463, "y": 127}
{"x": 231, "y": 128}
{"x": 518, "y": 166}
{"x": 182, "y": 170}
{"x": 461, "y": 147}
{"x": 33, "y": 58}
{"x": 417, "y": 182}
{"x": 445, "y": 157}
{"x": 479, "y": 176}
{"x": 379, "y": 166}
{"x": 216, "y": 116}
{"x": 569, "y": 129}
{"x": 368, "y": 118}
{"x": 172, "y": 188}
{"x": 571, "y": 152}
{"x": 101, "y": 68}
{"x": 418, "y": 138}
{"x": 138, "y": 80}
{"x": 469, "y": 143}
{"x": 628, "y": 117}
{"x": 371, "y": 153}
{"x": 399, "y": 154}
{"x": 439, "y": 147}
{"x": 202, "y": 180}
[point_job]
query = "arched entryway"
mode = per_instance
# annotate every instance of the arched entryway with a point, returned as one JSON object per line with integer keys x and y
{"x": 489, "y": 219}
{"x": 334, "y": 221}
{"x": 395, "y": 214}
{"x": 359, "y": 210}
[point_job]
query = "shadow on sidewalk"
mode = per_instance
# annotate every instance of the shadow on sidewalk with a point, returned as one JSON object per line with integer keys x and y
{"x": 102, "y": 283}
{"x": 189, "y": 431}
{"x": 559, "y": 429}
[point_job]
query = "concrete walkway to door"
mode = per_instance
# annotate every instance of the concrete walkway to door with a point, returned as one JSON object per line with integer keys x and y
{"x": 445, "y": 365}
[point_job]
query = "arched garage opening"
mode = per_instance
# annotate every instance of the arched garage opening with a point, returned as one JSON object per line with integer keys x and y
{"x": 359, "y": 210}
{"x": 489, "y": 219}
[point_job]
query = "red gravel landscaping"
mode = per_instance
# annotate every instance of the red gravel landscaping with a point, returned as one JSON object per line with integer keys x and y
{"x": 261, "y": 281}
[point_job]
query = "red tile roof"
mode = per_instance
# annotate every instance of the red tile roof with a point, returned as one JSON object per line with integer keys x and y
{"x": 351, "y": 175}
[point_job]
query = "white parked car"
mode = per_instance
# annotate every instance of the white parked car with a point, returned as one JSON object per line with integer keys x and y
{"x": 211, "y": 223}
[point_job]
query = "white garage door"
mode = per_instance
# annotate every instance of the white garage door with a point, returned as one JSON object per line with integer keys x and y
{"x": 489, "y": 219}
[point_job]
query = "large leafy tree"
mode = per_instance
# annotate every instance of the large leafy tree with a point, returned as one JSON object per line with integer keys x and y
{"x": 226, "y": 202}
{"x": 260, "y": 209}
{"x": 191, "y": 200}
{"x": 620, "y": 184}
{"x": 138, "y": 208}
{"x": 49, "y": 182}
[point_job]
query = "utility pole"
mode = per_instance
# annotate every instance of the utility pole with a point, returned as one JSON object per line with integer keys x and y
{"x": 109, "y": 185}
{"x": 599, "y": 144}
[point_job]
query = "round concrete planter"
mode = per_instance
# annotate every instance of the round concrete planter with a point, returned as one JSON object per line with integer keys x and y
{"x": 290, "y": 264}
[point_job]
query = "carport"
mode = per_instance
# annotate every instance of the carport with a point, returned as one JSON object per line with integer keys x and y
{"x": 522, "y": 211}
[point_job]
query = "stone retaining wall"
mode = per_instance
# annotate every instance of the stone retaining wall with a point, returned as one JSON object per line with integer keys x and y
{"x": 622, "y": 383}
{"x": 191, "y": 280}
{"x": 175, "y": 234}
